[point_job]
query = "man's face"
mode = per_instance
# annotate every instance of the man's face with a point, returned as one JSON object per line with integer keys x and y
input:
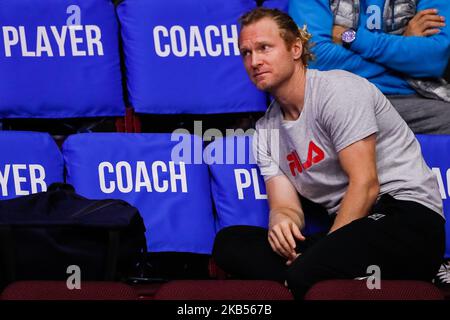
{"x": 266, "y": 58}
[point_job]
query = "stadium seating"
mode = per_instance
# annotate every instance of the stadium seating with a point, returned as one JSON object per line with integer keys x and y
{"x": 436, "y": 152}
{"x": 61, "y": 59}
{"x": 388, "y": 290}
{"x": 172, "y": 193}
{"x": 239, "y": 191}
{"x": 57, "y": 290}
{"x": 238, "y": 188}
{"x": 278, "y": 4}
{"x": 223, "y": 290}
{"x": 182, "y": 57}
{"x": 29, "y": 163}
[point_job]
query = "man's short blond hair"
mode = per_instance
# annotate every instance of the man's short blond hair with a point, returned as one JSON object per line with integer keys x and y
{"x": 289, "y": 30}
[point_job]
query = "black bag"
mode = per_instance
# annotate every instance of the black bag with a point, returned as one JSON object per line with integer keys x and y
{"x": 42, "y": 234}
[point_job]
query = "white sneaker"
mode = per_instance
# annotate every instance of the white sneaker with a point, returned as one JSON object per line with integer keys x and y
{"x": 442, "y": 278}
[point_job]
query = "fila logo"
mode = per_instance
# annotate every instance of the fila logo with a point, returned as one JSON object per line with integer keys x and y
{"x": 315, "y": 155}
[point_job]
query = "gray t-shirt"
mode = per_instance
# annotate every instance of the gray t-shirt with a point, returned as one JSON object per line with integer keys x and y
{"x": 341, "y": 108}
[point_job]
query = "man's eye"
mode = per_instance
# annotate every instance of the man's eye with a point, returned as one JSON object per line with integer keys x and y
{"x": 245, "y": 53}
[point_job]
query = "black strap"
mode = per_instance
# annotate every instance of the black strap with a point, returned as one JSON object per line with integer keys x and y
{"x": 112, "y": 256}
{"x": 7, "y": 259}
{"x": 143, "y": 259}
{"x": 94, "y": 206}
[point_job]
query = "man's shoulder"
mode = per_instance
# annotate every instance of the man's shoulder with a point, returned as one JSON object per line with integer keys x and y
{"x": 337, "y": 82}
{"x": 270, "y": 118}
{"x": 336, "y": 75}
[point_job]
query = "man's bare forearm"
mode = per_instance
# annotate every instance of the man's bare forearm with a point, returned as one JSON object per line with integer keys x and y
{"x": 297, "y": 216}
{"x": 356, "y": 203}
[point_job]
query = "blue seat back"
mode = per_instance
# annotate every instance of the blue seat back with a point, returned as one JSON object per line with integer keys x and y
{"x": 29, "y": 163}
{"x": 239, "y": 190}
{"x": 183, "y": 57}
{"x": 436, "y": 152}
{"x": 277, "y": 4}
{"x": 173, "y": 197}
{"x": 59, "y": 59}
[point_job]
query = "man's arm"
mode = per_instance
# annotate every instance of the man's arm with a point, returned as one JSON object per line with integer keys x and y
{"x": 359, "y": 163}
{"x": 414, "y": 56}
{"x": 286, "y": 216}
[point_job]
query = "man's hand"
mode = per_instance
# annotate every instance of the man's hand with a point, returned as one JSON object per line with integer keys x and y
{"x": 337, "y": 33}
{"x": 283, "y": 233}
{"x": 286, "y": 217}
{"x": 425, "y": 23}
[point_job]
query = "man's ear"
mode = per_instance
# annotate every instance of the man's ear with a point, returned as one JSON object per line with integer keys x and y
{"x": 297, "y": 49}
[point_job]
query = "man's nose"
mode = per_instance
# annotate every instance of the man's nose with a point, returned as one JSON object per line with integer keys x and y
{"x": 256, "y": 60}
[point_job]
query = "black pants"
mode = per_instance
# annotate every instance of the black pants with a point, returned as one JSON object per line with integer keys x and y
{"x": 404, "y": 239}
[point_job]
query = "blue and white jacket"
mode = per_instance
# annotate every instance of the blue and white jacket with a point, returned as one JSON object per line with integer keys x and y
{"x": 382, "y": 55}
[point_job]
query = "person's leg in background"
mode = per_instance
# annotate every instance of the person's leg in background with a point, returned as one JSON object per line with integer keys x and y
{"x": 423, "y": 115}
{"x": 405, "y": 240}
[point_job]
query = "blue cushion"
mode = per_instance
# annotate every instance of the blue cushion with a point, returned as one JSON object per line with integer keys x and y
{"x": 59, "y": 59}
{"x": 29, "y": 163}
{"x": 277, "y": 4}
{"x": 183, "y": 57}
{"x": 173, "y": 197}
{"x": 239, "y": 190}
{"x": 436, "y": 152}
